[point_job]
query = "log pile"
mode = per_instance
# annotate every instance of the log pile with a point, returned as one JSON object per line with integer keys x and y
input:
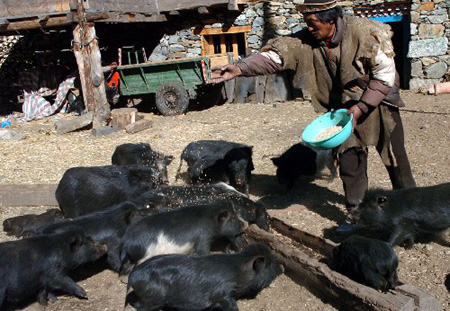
{"x": 7, "y": 43}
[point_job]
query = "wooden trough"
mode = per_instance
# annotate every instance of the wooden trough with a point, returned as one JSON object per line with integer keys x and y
{"x": 298, "y": 251}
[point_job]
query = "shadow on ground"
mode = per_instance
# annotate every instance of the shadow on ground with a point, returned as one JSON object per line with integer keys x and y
{"x": 315, "y": 198}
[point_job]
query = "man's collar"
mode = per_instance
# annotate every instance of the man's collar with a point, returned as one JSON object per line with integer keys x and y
{"x": 338, "y": 33}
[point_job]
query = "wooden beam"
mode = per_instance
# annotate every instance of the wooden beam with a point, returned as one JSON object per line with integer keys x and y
{"x": 35, "y": 23}
{"x": 320, "y": 245}
{"x": 52, "y": 21}
{"x": 342, "y": 291}
{"x": 227, "y": 30}
{"x": 27, "y": 8}
{"x": 138, "y": 126}
{"x": 67, "y": 126}
{"x": 223, "y": 47}
{"x": 167, "y": 5}
{"x": 207, "y": 45}
{"x": 235, "y": 47}
{"x": 28, "y": 195}
{"x": 121, "y": 17}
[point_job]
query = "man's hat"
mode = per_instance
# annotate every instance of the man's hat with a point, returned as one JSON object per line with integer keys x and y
{"x": 310, "y": 6}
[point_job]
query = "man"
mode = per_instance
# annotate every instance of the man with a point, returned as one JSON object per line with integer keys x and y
{"x": 343, "y": 62}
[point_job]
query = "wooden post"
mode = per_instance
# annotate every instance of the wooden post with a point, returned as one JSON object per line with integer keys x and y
{"x": 87, "y": 54}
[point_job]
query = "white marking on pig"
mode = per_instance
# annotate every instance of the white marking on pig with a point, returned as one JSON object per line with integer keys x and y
{"x": 165, "y": 246}
{"x": 226, "y": 186}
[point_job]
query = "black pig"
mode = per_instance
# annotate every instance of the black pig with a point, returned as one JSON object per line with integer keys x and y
{"x": 143, "y": 154}
{"x": 368, "y": 261}
{"x": 185, "y": 230}
{"x": 181, "y": 196}
{"x": 84, "y": 190}
{"x": 302, "y": 160}
{"x": 39, "y": 265}
{"x": 210, "y": 282}
{"x": 403, "y": 215}
{"x": 22, "y": 226}
{"x": 211, "y": 161}
{"x": 106, "y": 227}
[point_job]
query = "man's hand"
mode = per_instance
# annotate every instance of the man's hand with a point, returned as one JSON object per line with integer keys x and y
{"x": 356, "y": 114}
{"x": 226, "y": 73}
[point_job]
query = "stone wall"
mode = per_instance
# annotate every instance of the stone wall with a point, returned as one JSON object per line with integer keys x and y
{"x": 428, "y": 48}
{"x": 267, "y": 20}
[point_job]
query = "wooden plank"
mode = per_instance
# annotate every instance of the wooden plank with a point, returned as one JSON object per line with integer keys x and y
{"x": 208, "y": 45}
{"x": 235, "y": 47}
{"x": 169, "y": 5}
{"x": 66, "y": 126}
{"x": 320, "y": 245}
{"x": 143, "y": 6}
{"x": 123, "y": 17}
{"x": 223, "y": 47}
{"x": 227, "y": 30}
{"x": 33, "y": 23}
{"x": 138, "y": 126}
{"x": 52, "y": 21}
{"x": 23, "y": 8}
{"x": 28, "y": 195}
{"x": 321, "y": 280}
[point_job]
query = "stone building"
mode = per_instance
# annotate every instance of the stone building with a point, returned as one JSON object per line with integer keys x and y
{"x": 421, "y": 34}
{"x": 421, "y": 39}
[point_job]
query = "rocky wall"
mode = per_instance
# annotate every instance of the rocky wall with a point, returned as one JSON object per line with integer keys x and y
{"x": 428, "y": 48}
{"x": 267, "y": 20}
{"x": 429, "y": 45}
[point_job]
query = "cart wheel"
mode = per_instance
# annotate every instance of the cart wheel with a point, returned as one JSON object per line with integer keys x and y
{"x": 171, "y": 99}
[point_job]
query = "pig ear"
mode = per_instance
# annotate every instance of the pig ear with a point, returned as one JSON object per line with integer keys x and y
{"x": 75, "y": 243}
{"x": 276, "y": 161}
{"x": 382, "y": 201}
{"x": 259, "y": 263}
{"x": 168, "y": 160}
{"x": 129, "y": 215}
{"x": 223, "y": 216}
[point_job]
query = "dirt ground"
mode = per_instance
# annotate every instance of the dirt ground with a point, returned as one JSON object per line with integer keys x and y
{"x": 315, "y": 206}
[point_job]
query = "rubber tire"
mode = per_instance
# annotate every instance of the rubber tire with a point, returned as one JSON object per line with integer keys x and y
{"x": 174, "y": 92}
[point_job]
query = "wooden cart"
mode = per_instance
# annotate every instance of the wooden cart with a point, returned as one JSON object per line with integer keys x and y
{"x": 174, "y": 82}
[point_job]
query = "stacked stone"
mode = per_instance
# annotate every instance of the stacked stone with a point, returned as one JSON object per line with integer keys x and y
{"x": 267, "y": 20}
{"x": 428, "y": 48}
{"x": 270, "y": 20}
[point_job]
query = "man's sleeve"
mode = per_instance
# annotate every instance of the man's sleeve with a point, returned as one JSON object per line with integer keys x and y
{"x": 382, "y": 79}
{"x": 266, "y": 63}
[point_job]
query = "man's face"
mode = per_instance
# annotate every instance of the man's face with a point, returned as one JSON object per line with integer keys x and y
{"x": 319, "y": 30}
